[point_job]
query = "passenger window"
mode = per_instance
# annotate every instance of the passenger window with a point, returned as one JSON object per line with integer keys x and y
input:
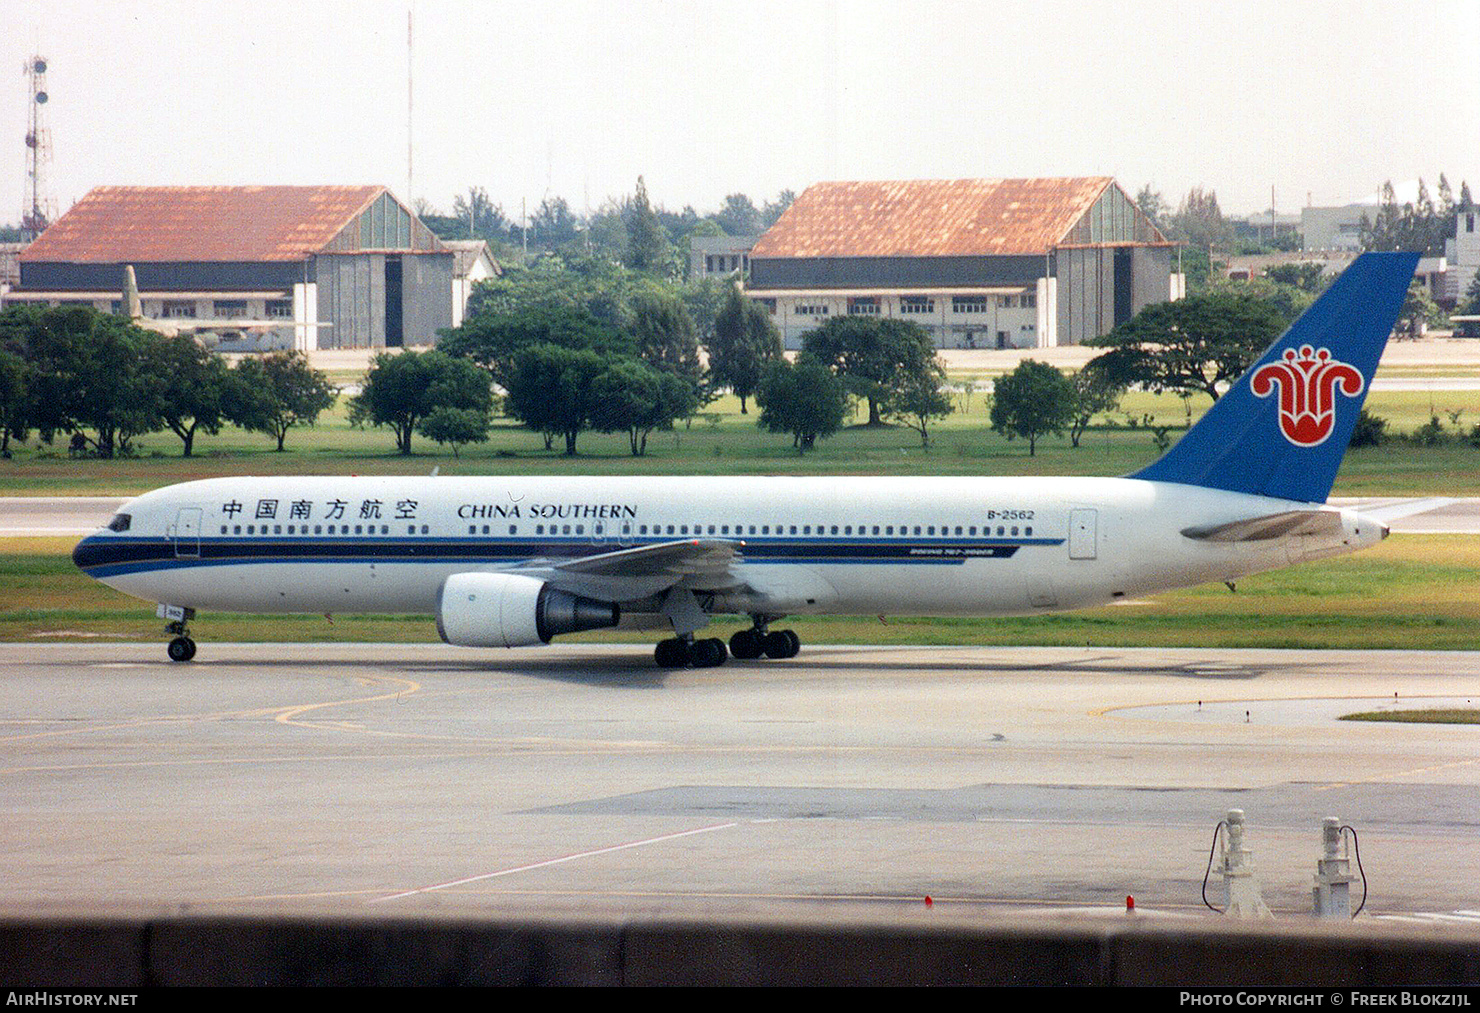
{"x": 1028, "y": 532}
{"x": 833, "y": 531}
{"x": 425, "y": 528}
{"x": 1014, "y": 531}
{"x": 930, "y": 530}
{"x": 580, "y": 529}
{"x": 513, "y": 529}
{"x": 223, "y": 529}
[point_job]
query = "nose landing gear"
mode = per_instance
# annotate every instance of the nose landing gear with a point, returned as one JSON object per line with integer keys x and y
{"x": 182, "y": 648}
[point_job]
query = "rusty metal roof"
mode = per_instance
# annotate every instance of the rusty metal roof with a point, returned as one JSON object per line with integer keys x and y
{"x": 145, "y": 224}
{"x": 931, "y": 218}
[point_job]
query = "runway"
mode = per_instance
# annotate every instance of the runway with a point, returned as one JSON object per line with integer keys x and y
{"x": 581, "y": 779}
{"x": 59, "y": 516}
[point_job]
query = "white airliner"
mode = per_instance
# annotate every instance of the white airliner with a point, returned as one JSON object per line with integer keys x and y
{"x": 508, "y": 562}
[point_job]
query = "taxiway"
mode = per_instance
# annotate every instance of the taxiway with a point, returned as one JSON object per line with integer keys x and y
{"x": 579, "y": 778}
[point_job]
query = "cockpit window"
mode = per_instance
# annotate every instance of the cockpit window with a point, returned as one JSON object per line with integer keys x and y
{"x": 120, "y": 522}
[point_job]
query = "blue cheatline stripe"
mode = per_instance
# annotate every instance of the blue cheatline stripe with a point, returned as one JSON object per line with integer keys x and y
{"x": 112, "y": 556}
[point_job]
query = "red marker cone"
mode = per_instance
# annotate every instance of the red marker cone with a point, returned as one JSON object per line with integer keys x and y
{"x": 1130, "y": 903}
{"x": 928, "y": 901}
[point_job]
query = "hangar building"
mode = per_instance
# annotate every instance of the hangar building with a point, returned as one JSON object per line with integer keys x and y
{"x": 979, "y": 263}
{"x": 340, "y": 266}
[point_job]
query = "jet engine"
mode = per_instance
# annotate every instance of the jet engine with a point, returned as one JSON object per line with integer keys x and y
{"x": 512, "y": 610}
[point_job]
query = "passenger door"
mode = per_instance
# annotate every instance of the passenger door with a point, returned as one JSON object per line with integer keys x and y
{"x": 187, "y": 533}
{"x": 1082, "y": 540}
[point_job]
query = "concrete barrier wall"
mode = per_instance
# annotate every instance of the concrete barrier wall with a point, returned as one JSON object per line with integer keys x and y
{"x": 130, "y": 953}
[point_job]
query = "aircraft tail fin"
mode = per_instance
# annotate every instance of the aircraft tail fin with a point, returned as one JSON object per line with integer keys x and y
{"x": 132, "y": 307}
{"x": 1282, "y": 429}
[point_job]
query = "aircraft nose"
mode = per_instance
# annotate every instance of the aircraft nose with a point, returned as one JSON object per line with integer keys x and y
{"x": 80, "y": 552}
{"x": 1386, "y": 531}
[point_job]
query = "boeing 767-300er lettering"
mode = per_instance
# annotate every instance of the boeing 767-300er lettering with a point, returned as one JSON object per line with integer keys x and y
{"x": 508, "y": 562}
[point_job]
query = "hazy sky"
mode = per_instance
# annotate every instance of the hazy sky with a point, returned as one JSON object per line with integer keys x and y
{"x": 579, "y": 99}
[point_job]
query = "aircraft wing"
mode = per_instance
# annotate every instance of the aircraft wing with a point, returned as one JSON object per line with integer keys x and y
{"x": 698, "y": 563}
{"x": 1267, "y": 527}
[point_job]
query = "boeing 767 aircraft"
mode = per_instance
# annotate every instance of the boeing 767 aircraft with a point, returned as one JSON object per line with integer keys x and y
{"x": 508, "y": 562}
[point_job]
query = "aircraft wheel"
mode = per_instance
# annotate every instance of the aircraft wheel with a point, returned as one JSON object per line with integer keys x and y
{"x": 747, "y": 644}
{"x": 795, "y": 641}
{"x": 671, "y": 653}
{"x": 181, "y": 649}
{"x": 779, "y": 644}
{"x": 707, "y": 653}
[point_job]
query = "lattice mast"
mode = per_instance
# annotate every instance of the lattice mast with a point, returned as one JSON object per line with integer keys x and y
{"x": 40, "y": 208}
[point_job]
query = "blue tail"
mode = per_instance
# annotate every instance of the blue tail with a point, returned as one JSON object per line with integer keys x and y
{"x": 1282, "y": 429}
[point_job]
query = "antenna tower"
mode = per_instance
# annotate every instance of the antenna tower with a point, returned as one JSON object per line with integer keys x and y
{"x": 40, "y": 209}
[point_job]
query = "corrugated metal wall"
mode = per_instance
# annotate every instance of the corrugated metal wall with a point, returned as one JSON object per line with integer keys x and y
{"x": 352, "y": 298}
{"x": 1086, "y": 288}
{"x": 426, "y": 281}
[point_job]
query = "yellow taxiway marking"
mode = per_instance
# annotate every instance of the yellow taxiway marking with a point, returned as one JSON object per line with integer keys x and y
{"x": 1383, "y": 778}
{"x": 281, "y": 714}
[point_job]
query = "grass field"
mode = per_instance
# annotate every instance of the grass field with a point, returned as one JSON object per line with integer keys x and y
{"x": 722, "y": 441}
{"x": 1411, "y": 591}
{"x": 1454, "y": 716}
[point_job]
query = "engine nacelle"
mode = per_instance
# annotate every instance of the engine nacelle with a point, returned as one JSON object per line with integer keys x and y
{"x": 512, "y": 610}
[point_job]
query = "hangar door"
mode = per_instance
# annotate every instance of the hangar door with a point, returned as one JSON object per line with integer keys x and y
{"x": 1082, "y": 534}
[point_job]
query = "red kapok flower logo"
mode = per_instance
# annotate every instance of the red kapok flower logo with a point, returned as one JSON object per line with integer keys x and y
{"x": 1308, "y": 384}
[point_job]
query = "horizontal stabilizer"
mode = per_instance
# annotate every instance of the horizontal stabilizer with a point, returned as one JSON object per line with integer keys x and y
{"x": 1268, "y": 527}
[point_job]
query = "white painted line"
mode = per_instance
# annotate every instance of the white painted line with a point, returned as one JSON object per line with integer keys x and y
{"x": 556, "y": 861}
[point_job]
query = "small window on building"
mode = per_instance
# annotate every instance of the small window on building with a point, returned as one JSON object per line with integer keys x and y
{"x": 969, "y": 304}
{"x": 909, "y": 304}
{"x": 864, "y": 305}
{"x": 280, "y": 309}
{"x": 229, "y": 309}
{"x": 178, "y": 309}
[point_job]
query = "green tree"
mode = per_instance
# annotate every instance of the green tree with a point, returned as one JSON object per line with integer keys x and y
{"x": 1309, "y": 277}
{"x": 493, "y": 340}
{"x": 774, "y": 209}
{"x": 919, "y": 400}
{"x": 550, "y": 390}
{"x": 1094, "y": 392}
{"x": 1152, "y": 204}
{"x": 744, "y": 343}
{"x": 647, "y": 246}
{"x": 1471, "y": 303}
{"x": 1035, "y": 399}
{"x": 277, "y": 392}
{"x": 192, "y": 386}
{"x": 1193, "y": 345}
{"x": 1419, "y": 310}
{"x": 15, "y": 399}
{"x": 87, "y": 372}
{"x": 455, "y": 426}
{"x": 873, "y": 355}
{"x": 739, "y": 217}
{"x": 805, "y": 399}
{"x": 400, "y": 391}
{"x": 664, "y": 336}
{"x": 630, "y": 396}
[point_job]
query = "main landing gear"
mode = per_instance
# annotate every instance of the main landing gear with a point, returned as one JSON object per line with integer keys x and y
{"x": 746, "y": 645}
{"x": 182, "y": 648}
